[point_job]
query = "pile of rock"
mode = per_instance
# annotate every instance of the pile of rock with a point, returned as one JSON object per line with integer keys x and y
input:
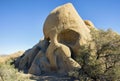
{"x": 64, "y": 33}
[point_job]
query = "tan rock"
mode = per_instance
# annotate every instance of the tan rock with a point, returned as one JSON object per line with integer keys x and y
{"x": 34, "y": 59}
{"x": 28, "y": 58}
{"x": 64, "y": 32}
{"x": 65, "y": 26}
{"x": 40, "y": 64}
{"x": 89, "y": 24}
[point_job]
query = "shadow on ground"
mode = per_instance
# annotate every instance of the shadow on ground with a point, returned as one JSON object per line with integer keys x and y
{"x": 53, "y": 77}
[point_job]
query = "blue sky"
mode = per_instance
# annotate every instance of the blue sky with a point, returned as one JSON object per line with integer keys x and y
{"x": 21, "y": 21}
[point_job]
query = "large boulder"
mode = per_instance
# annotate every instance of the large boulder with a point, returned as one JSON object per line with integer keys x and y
{"x": 64, "y": 34}
{"x": 66, "y": 30}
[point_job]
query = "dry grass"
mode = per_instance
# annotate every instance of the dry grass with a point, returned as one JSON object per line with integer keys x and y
{"x": 8, "y": 72}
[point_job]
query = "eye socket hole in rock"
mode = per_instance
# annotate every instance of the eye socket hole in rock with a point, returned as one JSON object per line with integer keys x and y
{"x": 69, "y": 38}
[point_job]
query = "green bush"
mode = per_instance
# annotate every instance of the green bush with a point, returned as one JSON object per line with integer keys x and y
{"x": 102, "y": 62}
{"x": 9, "y": 73}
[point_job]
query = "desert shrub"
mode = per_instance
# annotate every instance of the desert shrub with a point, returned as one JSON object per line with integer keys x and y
{"x": 108, "y": 52}
{"x": 9, "y": 73}
{"x": 102, "y": 62}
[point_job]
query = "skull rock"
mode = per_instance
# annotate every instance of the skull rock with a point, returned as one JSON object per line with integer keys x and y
{"x": 66, "y": 31}
{"x": 64, "y": 34}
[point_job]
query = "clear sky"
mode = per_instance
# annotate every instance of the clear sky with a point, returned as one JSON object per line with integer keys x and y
{"x": 21, "y": 21}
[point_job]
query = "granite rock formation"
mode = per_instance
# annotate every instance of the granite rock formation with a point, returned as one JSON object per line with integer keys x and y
{"x": 64, "y": 33}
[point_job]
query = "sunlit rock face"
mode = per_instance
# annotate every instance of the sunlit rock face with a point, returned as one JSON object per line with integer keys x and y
{"x": 64, "y": 33}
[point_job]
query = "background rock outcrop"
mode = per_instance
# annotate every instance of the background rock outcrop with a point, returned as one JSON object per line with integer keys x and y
{"x": 15, "y": 55}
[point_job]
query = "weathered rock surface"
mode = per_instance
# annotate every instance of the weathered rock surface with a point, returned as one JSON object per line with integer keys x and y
{"x": 65, "y": 29}
{"x": 89, "y": 24}
{"x": 64, "y": 33}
